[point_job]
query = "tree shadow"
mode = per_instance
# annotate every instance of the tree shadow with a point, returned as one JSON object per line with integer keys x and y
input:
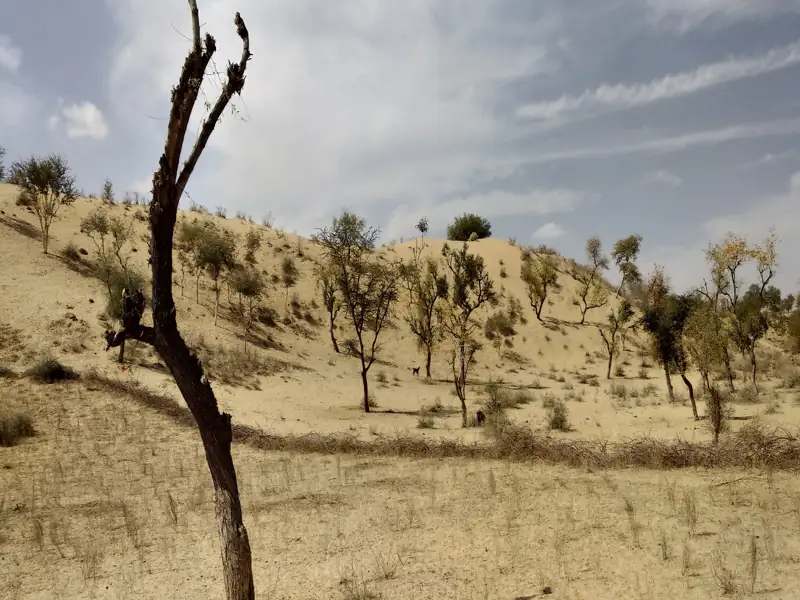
{"x": 21, "y": 227}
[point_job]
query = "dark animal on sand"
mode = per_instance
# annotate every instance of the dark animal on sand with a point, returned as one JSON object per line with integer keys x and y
{"x": 480, "y": 418}
{"x": 415, "y": 370}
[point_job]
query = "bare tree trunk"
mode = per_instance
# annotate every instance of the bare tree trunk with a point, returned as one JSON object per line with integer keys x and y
{"x": 121, "y": 356}
{"x": 753, "y": 368}
{"x": 610, "y": 361}
{"x": 428, "y": 362}
{"x": 365, "y": 384}
{"x": 169, "y": 182}
{"x": 691, "y": 394}
{"x": 216, "y": 305}
{"x": 670, "y": 391}
{"x": 333, "y": 337}
{"x": 726, "y": 359}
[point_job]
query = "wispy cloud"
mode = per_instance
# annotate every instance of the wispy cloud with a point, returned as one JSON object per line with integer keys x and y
{"x": 548, "y": 232}
{"x": 663, "y": 177}
{"x": 10, "y": 54}
{"x": 663, "y": 145}
{"x": 772, "y": 158}
{"x": 619, "y": 96}
{"x": 689, "y": 14}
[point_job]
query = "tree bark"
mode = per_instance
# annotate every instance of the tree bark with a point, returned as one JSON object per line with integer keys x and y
{"x": 333, "y": 337}
{"x": 670, "y": 391}
{"x": 610, "y": 362}
{"x": 365, "y": 385}
{"x": 726, "y": 359}
{"x": 428, "y": 356}
{"x": 121, "y": 357}
{"x": 691, "y": 394}
{"x": 753, "y": 368}
{"x": 169, "y": 183}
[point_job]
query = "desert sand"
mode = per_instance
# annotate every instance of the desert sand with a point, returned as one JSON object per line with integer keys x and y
{"x": 112, "y": 499}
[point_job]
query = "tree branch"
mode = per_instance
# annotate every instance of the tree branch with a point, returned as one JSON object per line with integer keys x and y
{"x": 232, "y": 86}
{"x": 196, "y": 41}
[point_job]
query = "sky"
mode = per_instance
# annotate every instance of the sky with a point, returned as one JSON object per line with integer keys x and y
{"x": 678, "y": 120}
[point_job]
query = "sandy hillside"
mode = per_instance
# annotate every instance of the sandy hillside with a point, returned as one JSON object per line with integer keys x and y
{"x": 111, "y": 498}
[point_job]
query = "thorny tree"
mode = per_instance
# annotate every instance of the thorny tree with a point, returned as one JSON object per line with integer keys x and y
{"x": 471, "y": 288}
{"x": 591, "y": 289}
{"x": 425, "y": 288}
{"x": 51, "y": 185}
{"x": 169, "y": 181}
{"x": 540, "y": 276}
{"x": 749, "y": 322}
{"x": 326, "y": 281}
{"x": 368, "y": 288}
{"x": 624, "y": 254}
{"x": 612, "y": 331}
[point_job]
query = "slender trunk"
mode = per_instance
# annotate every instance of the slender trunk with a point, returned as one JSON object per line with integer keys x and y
{"x": 461, "y": 386}
{"x": 366, "y": 389}
{"x": 610, "y": 361}
{"x": 538, "y": 309}
{"x": 726, "y": 359}
{"x": 428, "y": 363}
{"x": 691, "y": 394}
{"x": 706, "y": 383}
{"x": 670, "y": 391}
{"x": 216, "y": 305}
{"x": 753, "y": 368}
{"x": 121, "y": 356}
{"x": 333, "y": 336}
{"x": 583, "y": 316}
{"x": 45, "y": 238}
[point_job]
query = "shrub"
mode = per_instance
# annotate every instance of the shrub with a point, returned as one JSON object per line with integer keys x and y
{"x": 643, "y": 374}
{"x": 71, "y": 252}
{"x": 425, "y": 419}
{"x": 382, "y": 377}
{"x": 498, "y": 324}
{"x": 467, "y": 224}
{"x": 618, "y": 390}
{"x": 619, "y": 371}
{"x": 50, "y": 370}
{"x": 6, "y": 373}
{"x": 14, "y": 427}
{"x": 116, "y": 280}
{"x": 558, "y": 416}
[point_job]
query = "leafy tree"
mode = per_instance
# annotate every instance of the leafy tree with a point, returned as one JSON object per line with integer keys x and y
{"x": 108, "y": 191}
{"x": 326, "y": 282}
{"x": 749, "y": 323}
{"x": 216, "y": 253}
{"x": 252, "y": 244}
{"x": 169, "y": 182}
{"x": 592, "y": 292}
{"x": 50, "y": 184}
{"x": 540, "y": 277}
{"x": 368, "y": 289}
{"x": 188, "y": 243}
{"x": 422, "y": 226}
{"x": 248, "y": 283}
{"x": 289, "y": 276}
{"x": 466, "y": 225}
{"x": 2, "y": 163}
{"x": 471, "y": 288}
{"x": 426, "y": 287}
{"x": 793, "y": 330}
{"x": 611, "y": 332}
{"x": 624, "y": 254}
{"x": 703, "y": 341}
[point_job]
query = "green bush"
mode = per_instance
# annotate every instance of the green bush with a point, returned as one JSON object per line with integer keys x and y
{"x": 117, "y": 279}
{"x": 466, "y": 225}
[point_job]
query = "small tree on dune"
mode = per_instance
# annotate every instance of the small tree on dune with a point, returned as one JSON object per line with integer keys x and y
{"x": 611, "y": 332}
{"x": 540, "y": 276}
{"x": 592, "y": 292}
{"x": 471, "y": 288}
{"x": 289, "y": 276}
{"x": 216, "y": 253}
{"x": 326, "y": 282}
{"x": 624, "y": 254}
{"x": 50, "y": 184}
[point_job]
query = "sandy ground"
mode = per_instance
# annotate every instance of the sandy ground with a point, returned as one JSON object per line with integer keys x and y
{"x": 111, "y": 500}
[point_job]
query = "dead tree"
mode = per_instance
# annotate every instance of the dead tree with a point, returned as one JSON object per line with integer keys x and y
{"x": 169, "y": 182}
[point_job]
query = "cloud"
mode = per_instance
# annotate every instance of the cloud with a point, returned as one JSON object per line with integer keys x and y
{"x": 619, "y": 96}
{"x": 16, "y": 106}
{"x": 771, "y": 158}
{"x": 10, "y": 54}
{"x": 687, "y": 265}
{"x": 362, "y": 105}
{"x": 80, "y": 120}
{"x": 662, "y": 177}
{"x": 689, "y": 14}
{"x": 548, "y": 232}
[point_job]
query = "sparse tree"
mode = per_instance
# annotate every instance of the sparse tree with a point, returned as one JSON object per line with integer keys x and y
{"x": 426, "y": 287}
{"x": 216, "y": 253}
{"x": 2, "y": 163}
{"x": 326, "y": 281}
{"x": 289, "y": 276}
{"x": 611, "y": 332}
{"x": 471, "y": 288}
{"x": 368, "y": 288}
{"x": 540, "y": 276}
{"x": 252, "y": 244}
{"x": 702, "y": 341}
{"x": 108, "y": 191}
{"x": 749, "y": 322}
{"x": 50, "y": 184}
{"x": 168, "y": 184}
{"x": 421, "y": 226}
{"x": 624, "y": 254}
{"x": 188, "y": 243}
{"x": 248, "y": 283}
{"x": 592, "y": 292}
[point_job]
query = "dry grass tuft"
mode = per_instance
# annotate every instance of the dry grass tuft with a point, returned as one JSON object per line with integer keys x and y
{"x": 14, "y": 427}
{"x": 50, "y": 370}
